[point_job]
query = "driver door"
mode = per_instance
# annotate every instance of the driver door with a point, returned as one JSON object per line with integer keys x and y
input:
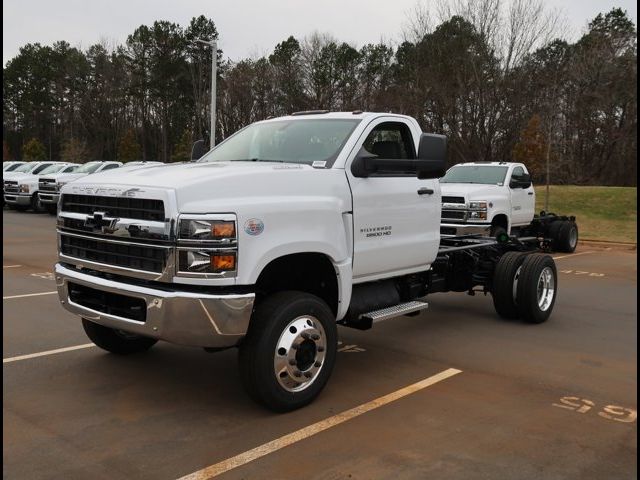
{"x": 396, "y": 217}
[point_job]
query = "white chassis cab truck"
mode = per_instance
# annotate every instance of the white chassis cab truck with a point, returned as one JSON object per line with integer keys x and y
{"x": 286, "y": 229}
{"x": 497, "y": 198}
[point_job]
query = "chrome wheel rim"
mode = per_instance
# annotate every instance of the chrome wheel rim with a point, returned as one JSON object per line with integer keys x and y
{"x": 573, "y": 237}
{"x": 299, "y": 353}
{"x": 546, "y": 288}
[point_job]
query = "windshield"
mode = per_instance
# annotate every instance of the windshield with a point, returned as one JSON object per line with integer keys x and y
{"x": 88, "y": 167}
{"x": 25, "y": 168}
{"x": 488, "y": 175}
{"x": 291, "y": 141}
{"x": 14, "y": 167}
{"x": 52, "y": 169}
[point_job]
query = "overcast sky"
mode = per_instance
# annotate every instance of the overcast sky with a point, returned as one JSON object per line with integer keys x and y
{"x": 246, "y": 27}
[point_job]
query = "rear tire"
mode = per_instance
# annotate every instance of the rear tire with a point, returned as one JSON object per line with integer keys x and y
{"x": 566, "y": 240}
{"x": 537, "y": 288}
{"x": 116, "y": 341}
{"x": 289, "y": 351}
{"x": 505, "y": 278}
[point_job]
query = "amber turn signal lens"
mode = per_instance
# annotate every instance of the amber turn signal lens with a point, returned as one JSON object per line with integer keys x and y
{"x": 223, "y": 263}
{"x": 223, "y": 230}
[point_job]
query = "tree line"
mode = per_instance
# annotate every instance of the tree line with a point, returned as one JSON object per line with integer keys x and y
{"x": 498, "y": 79}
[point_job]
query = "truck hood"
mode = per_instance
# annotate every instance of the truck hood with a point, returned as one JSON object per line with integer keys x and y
{"x": 471, "y": 191}
{"x": 224, "y": 186}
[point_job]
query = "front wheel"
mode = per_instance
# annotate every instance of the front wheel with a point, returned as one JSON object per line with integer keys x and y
{"x": 289, "y": 351}
{"x": 116, "y": 341}
{"x": 36, "y": 204}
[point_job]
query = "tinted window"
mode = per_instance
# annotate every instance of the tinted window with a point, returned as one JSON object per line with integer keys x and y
{"x": 110, "y": 166}
{"x": 517, "y": 173}
{"x": 88, "y": 167}
{"x": 391, "y": 140}
{"x": 40, "y": 168}
{"x": 14, "y": 167}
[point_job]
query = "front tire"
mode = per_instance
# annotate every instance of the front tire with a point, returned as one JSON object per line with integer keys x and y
{"x": 537, "y": 288}
{"x": 36, "y": 204}
{"x": 116, "y": 341}
{"x": 289, "y": 351}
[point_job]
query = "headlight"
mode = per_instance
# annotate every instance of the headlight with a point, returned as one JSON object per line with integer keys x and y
{"x": 207, "y": 246}
{"x": 206, "y": 261}
{"x": 478, "y": 205}
{"x": 203, "y": 230}
{"x": 24, "y": 188}
{"x": 478, "y": 215}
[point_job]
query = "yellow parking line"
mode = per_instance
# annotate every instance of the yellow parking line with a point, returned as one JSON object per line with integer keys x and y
{"x": 306, "y": 432}
{"x": 48, "y": 352}
{"x": 572, "y": 255}
{"x": 29, "y": 295}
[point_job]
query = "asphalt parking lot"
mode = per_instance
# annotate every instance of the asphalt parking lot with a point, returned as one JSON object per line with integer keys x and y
{"x": 553, "y": 401}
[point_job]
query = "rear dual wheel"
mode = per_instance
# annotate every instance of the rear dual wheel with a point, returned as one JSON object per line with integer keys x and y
{"x": 525, "y": 286}
{"x": 564, "y": 236}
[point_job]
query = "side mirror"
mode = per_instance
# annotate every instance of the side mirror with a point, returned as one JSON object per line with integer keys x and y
{"x": 523, "y": 181}
{"x": 198, "y": 150}
{"x": 364, "y": 163}
{"x": 432, "y": 156}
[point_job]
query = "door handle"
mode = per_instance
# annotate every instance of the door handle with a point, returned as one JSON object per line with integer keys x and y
{"x": 425, "y": 191}
{"x": 530, "y": 193}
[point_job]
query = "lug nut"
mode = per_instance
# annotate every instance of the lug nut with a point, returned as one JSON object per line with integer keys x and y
{"x": 307, "y": 374}
{"x": 315, "y": 336}
{"x": 297, "y": 373}
{"x": 320, "y": 349}
{"x": 294, "y": 346}
{"x": 305, "y": 335}
{"x": 317, "y": 364}
{"x": 292, "y": 362}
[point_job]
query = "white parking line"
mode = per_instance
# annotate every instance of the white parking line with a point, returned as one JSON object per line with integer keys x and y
{"x": 48, "y": 352}
{"x": 306, "y": 432}
{"x": 572, "y": 255}
{"x": 29, "y": 295}
{"x": 11, "y": 266}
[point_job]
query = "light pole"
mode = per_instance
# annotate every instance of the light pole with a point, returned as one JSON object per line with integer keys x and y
{"x": 214, "y": 64}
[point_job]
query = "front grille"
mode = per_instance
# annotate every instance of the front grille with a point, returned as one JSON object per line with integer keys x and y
{"x": 454, "y": 214}
{"x": 137, "y": 257}
{"x": 452, "y": 199}
{"x": 122, "y": 207}
{"x": 47, "y": 185}
{"x": 447, "y": 231}
{"x": 107, "y": 302}
{"x": 10, "y": 187}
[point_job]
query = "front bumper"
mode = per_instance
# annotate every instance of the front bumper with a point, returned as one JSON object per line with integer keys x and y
{"x": 18, "y": 199}
{"x": 49, "y": 197}
{"x": 187, "y": 318}
{"x": 456, "y": 229}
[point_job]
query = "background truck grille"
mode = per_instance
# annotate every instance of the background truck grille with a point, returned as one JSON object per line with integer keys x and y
{"x": 10, "y": 187}
{"x": 453, "y": 214}
{"x": 452, "y": 199}
{"x": 122, "y": 207}
{"x": 138, "y": 257}
{"x": 47, "y": 185}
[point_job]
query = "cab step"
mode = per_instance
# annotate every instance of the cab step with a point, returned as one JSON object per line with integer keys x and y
{"x": 394, "y": 311}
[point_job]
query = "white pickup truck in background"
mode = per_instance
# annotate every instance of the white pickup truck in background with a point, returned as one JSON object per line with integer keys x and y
{"x": 289, "y": 227}
{"x": 494, "y": 198}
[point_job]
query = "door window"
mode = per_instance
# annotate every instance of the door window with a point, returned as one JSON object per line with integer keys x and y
{"x": 391, "y": 140}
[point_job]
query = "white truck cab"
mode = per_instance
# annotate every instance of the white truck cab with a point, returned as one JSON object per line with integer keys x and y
{"x": 285, "y": 229}
{"x": 20, "y": 186}
{"x": 486, "y": 197}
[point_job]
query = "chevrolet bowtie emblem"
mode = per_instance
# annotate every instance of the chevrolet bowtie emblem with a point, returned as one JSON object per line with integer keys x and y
{"x": 99, "y": 220}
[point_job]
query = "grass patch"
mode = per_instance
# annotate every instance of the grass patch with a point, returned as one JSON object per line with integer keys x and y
{"x": 602, "y": 213}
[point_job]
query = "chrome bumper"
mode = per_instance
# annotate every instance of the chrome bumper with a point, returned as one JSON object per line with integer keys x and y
{"x": 49, "y": 197}
{"x": 465, "y": 228}
{"x": 17, "y": 199}
{"x": 195, "y": 319}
